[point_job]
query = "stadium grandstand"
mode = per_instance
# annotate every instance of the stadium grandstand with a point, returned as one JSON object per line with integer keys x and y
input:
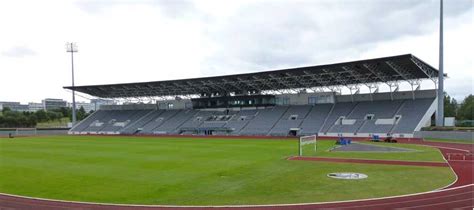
{"x": 288, "y": 102}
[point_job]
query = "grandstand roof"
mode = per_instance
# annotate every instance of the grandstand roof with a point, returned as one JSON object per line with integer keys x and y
{"x": 380, "y": 70}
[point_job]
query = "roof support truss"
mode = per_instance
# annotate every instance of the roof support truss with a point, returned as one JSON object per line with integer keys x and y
{"x": 388, "y": 70}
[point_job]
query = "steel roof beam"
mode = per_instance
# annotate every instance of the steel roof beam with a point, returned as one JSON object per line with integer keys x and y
{"x": 400, "y": 70}
{"x": 326, "y": 76}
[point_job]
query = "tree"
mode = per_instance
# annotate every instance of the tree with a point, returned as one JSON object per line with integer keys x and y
{"x": 66, "y": 112}
{"x": 14, "y": 119}
{"x": 54, "y": 115}
{"x": 6, "y": 109}
{"x": 41, "y": 116}
{"x": 32, "y": 121}
{"x": 450, "y": 106}
{"x": 467, "y": 107}
{"x": 81, "y": 113}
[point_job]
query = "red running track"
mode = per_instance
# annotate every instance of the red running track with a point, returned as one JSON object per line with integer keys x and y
{"x": 457, "y": 196}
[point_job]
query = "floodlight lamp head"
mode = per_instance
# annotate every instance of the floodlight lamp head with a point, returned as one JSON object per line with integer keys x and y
{"x": 71, "y": 47}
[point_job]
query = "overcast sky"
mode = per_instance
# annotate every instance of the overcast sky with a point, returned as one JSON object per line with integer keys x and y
{"x": 144, "y": 40}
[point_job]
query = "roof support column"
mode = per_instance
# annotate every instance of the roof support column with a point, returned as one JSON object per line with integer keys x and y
{"x": 353, "y": 88}
{"x": 392, "y": 85}
{"x": 414, "y": 83}
{"x": 405, "y": 74}
{"x": 372, "y": 86}
{"x": 335, "y": 89}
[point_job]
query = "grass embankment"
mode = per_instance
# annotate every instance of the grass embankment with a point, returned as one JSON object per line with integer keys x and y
{"x": 62, "y": 123}
{"x": 183, "y": 171}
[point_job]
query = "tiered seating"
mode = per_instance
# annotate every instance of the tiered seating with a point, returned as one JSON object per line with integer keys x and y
{"x": 199, "y": 118}
{"x": 84, "y": 125}
{"x": 411, "y": 114}
{"x": 133, "y": 128}
{"x": 264, "y": 121}
{"x": 217, "y": 121}
{"x": 315, "y": 119}
{"x": 340, "y": 109}
{"x": 291, "y": 119}
{"x": 172, "y": 124}
{"x": 240, "y": 120}
{"x": 283, "y": 127}
{"x": 379, "y": 109}
{"x": 300, "y": 111}
{"x": 102, "y": 121}
{"x": 149, "y": 127}
{"x": 360, "y": 117}
{"x": 340, "y": 128}
{"x": 122, "y": 118}
{"x": 370, "y": 127}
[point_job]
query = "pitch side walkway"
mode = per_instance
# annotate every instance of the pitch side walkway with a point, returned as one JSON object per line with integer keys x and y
{"x": 457, "y": 196}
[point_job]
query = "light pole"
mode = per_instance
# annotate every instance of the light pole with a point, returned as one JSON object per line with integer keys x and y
{"x": 72, "y": 48}
{"x": 440, "y": 111}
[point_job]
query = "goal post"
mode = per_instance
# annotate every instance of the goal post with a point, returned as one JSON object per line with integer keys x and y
{"x": 25, "y": 131}
{"x": 307, "y": 143}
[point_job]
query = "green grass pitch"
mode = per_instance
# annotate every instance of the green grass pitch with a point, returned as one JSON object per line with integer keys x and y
{"x": 198, "y": 171}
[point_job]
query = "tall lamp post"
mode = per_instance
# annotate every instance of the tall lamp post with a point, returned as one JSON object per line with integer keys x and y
{"x": 72, "y": 48}
{"x": 440, "y": 111}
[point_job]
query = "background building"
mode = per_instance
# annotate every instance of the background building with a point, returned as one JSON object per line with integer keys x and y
{"x": 14, "y": 106}
{"x": 87, "y": 106}
{"x": 52, "y": 104}
{"x": 33, "y": 107}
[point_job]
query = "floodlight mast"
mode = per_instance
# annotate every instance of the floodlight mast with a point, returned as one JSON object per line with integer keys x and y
{"x": 72, "y": 48}
{"x": 440, "y": 111}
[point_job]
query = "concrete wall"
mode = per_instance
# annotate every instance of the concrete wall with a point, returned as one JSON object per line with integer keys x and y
{"x": 128, "y": 107}
{"x": 48, "y": 132}
{"x": 302, "y": 98}
{"x": 386, "y": 96}
{"x": 177, "y": 104}
{"x": 368, "y": 135}
{"x": 294, "y": 99}
{"x": 449, "y": 135}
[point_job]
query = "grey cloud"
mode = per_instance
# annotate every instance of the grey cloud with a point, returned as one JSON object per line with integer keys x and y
{"x": 279, "y": 34}
{"x": 177, "y": 8}
{"x": 171, "y": 8}
{"x": 18, "y": 52}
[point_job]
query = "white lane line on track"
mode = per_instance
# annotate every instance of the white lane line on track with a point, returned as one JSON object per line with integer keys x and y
{"x": 465, "y": 161}
{"x": 464, "y": 150}
{"x": 455, "y": 174}
{"x": 236, "y": 206}
{"x": 437, "y": 204}
{"x": 404, "y": 202}
{"x": 465, "y": 207}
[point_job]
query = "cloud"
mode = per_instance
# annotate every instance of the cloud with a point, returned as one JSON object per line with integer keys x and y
{"x": 148, "y": 40}
{"x": 278, "y": 34}
{"x": 170, "y": 8}
{"x": 18, "y": 52}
